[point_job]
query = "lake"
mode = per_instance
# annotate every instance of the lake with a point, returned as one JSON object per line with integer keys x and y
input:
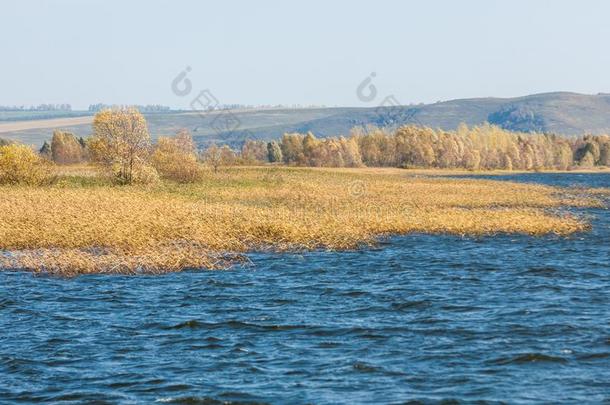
{"x": 426, "y": 318}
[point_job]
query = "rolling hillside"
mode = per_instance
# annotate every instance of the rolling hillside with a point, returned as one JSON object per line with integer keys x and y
{"x": 561, "y": 112}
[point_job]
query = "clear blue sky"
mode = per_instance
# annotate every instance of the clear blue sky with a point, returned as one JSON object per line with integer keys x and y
{"x": 313, "y": 52}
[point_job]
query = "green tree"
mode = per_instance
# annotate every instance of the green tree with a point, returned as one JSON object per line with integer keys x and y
{"x": 274, "y": 152}
{"x": 45, "y": 151}
{"x": 588, "y": 160}
{"x": 604, "y": 157}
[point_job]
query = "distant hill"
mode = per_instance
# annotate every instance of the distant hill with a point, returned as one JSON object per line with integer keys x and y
{"x": 563, "y": 113}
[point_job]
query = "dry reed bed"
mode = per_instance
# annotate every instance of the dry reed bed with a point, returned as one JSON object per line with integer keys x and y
{"x": 87, "y": 227}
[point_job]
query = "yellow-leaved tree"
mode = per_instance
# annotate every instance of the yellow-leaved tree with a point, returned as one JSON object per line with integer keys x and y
{"x": 65, "y": 148}
{"x": 121, "y": 143}
{"x": 176, "y": 158}
{"x": 19, "y": 164}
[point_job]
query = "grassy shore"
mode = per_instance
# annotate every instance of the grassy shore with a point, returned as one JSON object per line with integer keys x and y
{"x": 82, "y": 224}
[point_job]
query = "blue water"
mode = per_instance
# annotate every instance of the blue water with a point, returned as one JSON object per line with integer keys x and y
{"x": 424, "y": 318}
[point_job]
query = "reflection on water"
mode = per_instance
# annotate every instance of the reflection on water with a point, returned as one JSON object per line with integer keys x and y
{"x": 419, "y": 318}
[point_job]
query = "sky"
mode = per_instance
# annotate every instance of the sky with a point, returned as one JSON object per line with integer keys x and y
{"x": 311, "y": 52}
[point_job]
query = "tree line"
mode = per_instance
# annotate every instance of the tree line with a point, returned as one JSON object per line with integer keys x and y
{"x": 122, "y": 147}
{"x": 40, "y": 107}
{"x": 482, "y": 147}
{"x": 149, "y": 108}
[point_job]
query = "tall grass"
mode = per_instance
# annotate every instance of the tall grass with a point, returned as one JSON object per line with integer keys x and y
{"x": 83, "y": 225}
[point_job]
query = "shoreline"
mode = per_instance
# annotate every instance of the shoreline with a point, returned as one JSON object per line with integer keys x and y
{"x": 82, "y": 225}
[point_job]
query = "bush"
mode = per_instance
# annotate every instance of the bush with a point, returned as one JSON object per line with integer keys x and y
{"x": 145, "y": 175}
{"x": 142, "y": 174}
{"x": 19, "y": 164}
{"x": 175, "y": 159}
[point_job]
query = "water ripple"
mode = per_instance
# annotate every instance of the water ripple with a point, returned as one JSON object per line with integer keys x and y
{"x": 421, "y": 318}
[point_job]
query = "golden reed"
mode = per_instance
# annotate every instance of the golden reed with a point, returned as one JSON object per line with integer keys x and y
{"x": 84, "y": 225}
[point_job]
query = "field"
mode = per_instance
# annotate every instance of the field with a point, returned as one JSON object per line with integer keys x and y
{"x": 42, "y": 115}
{"x": 221, "y": 127}
{"x": 81, "y": 224}
{"x": 49, "y": 124}
{"x": 563, "y": 113}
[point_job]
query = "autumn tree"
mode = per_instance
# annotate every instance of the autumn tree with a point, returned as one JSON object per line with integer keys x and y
{"x": 19, "y": 164}
{"x": 472, "y": 160}
{"x": 254, "y": 151}
{"x": 185, "y": 143}
{"x": 120, "y": 142}
{"x": 350, "y": 152}
{"x": 215, "y": 156}
{"x": 481, "y": 147}
{"x": 212, "y": 157}
{"x": 66, "y": 149}
{"x": 563, "y": 156}
{"x": 370, "y": 150}
{"x": 292, "y": 148}
{"x": 228, "y": 157}
{"x": 176, "y": 158}
{"x": 310, "y": 144}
